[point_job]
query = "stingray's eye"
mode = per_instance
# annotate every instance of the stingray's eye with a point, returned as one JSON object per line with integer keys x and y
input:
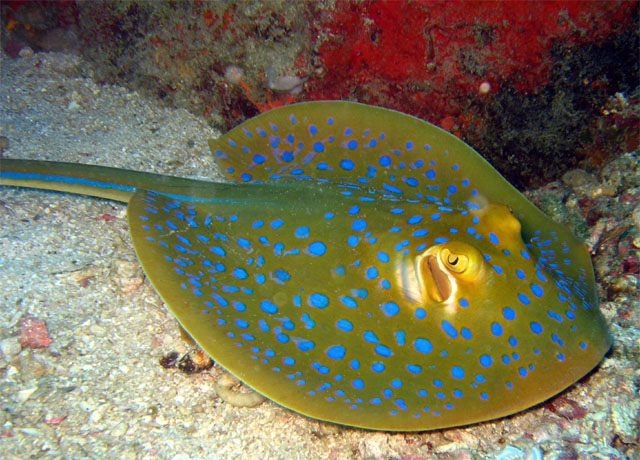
{"x": 455, "y": 262}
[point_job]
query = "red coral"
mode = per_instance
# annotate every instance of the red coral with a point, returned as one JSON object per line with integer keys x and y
{"x": 427, "y": 57}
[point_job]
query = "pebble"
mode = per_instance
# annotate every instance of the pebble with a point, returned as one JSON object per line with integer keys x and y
{"x": 25, "y": 394}
{"x": 25, "y": 52}
{"x": 119, "y": 430}
{"x": 33, "y": 332}
{"x": 10, "y": 347}
{"x": 73, "y": 106}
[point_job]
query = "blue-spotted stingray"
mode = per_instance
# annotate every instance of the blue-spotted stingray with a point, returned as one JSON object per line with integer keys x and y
{"x": 363, "y": 267}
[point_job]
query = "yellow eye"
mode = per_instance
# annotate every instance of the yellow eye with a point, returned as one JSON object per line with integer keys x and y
{"x": 455, "y": 262}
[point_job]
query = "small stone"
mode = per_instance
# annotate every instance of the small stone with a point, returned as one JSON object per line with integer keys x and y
{"x": 73, "y": 105}
{"x": 578, "y": 178}
{"x": 25, "y": 394}
{"x": 25, "y": 52}
{"x": 10, "y": 347}
{"x": 128, "y": 275}
{"x": 233, "y": 74}
{"x": 98, "y": 331}
{"x": 97, "y": 414}
{"x": 119, "y": 430}
{"x": 33, "y": 332}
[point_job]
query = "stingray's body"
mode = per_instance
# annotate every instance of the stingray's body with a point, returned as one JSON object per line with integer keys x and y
{"x": 364, "y": 267}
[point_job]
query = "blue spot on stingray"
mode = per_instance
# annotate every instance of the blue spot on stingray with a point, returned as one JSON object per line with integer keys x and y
{"x": 422, "y": 345}
{"x": 523, "y": 298}
{"x": 520, "y": 274}
{"x": 344, "y": 324}
{"x": 268, "y": 307}
{"x": 537, "y": 290}
{"x": 348, "y": 301}
{"x": 336, "y": 352}
{"x": 496, "y": 329}
{"x": 277, "y": 223}
{"x": 414, "y": 220}
{"x": 302, "y": 232}
{"x": 463, "y": 302}
{"x": 493, "y": 238}
{"x": 346, "y": 164}
{"x": 414, "y": 368}
{"x": 352, "y": 144}
{"x": 392, "y": 188}
{"x": 308, "y": 322}
{"x": 370, "y": 337}
{"x": 457, "y": 372}
{"x": 486, "y": 360}
{"x": 383, "y": 256}
{"x": 354, "y": 364}
{"x": 218, "y": 250}
{"x": 383, "y": 350}
{"x": 318, "y": 300}
{"x": 449, "y": 329}
{"x": 390, "y": 308}
{"x": 508, "y": 313}
{"x": 282, "y": 274}
{"x": 377, "y": 366}
{"x": 243, "y": 242}
{"x": 536, "y": 327}
{"x": 305, "y": 345}
{"x": 358, "y": 384}
{"x": 317, "y": 248}
{"x": 358, "y": 224}
{"x": 318, "y": 147}
{"x": 240, "y": 273}
{"x": 420, "y": 313}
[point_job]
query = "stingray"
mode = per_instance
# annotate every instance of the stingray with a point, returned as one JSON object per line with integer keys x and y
{"x": 362, "y": 267}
